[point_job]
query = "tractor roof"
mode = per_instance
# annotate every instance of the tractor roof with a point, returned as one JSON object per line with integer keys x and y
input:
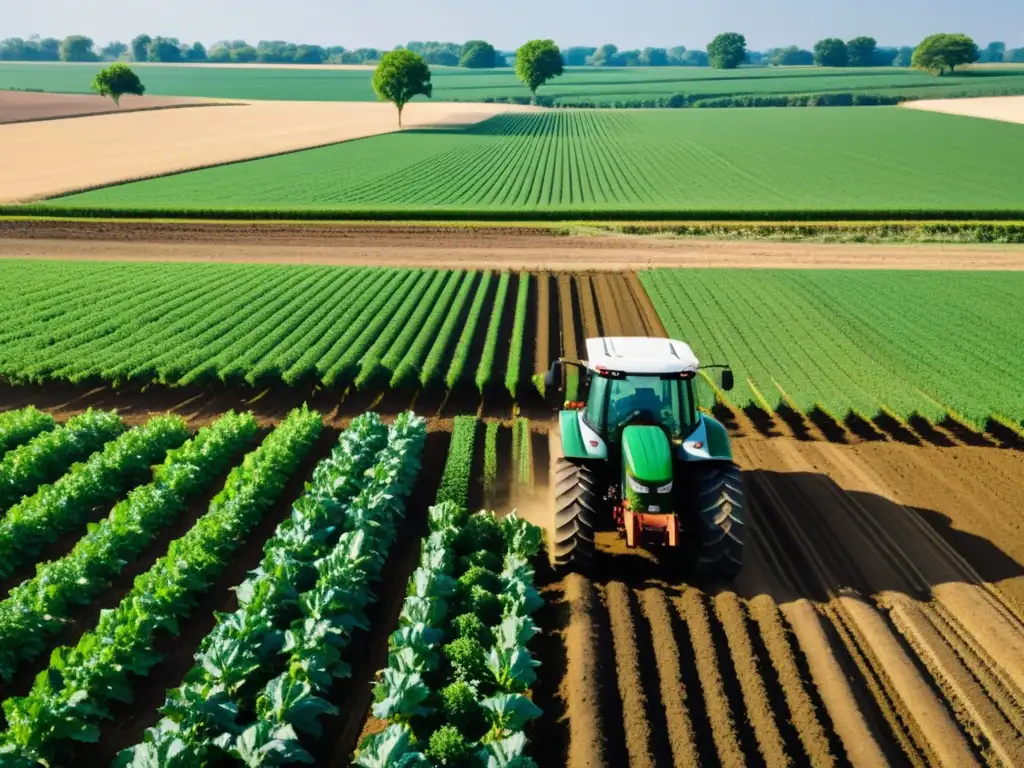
{"x": 640, "y": 355}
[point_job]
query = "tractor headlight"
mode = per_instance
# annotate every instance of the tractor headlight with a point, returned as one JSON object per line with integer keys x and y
{"x": 637, "y": 487}
{"x": 666, "y": 488}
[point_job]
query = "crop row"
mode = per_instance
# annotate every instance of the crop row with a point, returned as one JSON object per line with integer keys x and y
{"x": 259, "y": 325}
{"x": 931, "y": 344}
{"x": 75, "y": 693}
{"x": 459, "y": 669}
{"x": 296, "y": 613}
{"x": 18, "y": 427}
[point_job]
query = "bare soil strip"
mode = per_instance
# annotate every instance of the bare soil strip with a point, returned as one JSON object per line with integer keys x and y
{"x": 1009, "y": 109}
{"x": 52, "y": 158}
{"x": 498, "y": 247}
{"x": 26, "y": 106}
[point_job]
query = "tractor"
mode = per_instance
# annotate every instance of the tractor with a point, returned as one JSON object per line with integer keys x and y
{"x": 637, "y": 450}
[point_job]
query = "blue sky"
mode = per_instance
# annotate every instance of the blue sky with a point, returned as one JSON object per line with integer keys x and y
{"x": 627, "y": 23}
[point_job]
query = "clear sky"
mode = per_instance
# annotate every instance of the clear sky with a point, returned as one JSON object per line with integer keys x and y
{"x": 627, "y": 23}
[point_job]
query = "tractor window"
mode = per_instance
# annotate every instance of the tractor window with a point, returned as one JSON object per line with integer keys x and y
{"x": 597, "y": 403}
{"x": 651, "y": 399}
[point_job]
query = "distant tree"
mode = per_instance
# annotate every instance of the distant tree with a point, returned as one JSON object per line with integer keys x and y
{"x": 728, "y": 50}
{"x": 140, "y": 47}
{"x": 400, "y": 76}
{"x": 756, "y": 58}
{"x": 605, "y": 56}
{"x": 310, "y": 54}
{"x": 577, "y": 56}
{"x": 477, "y": 54}
{"x": 830, "y": 52}
{"x": 792, "y": 57}
{"x": 654, "y": 57}
{"x": 904, "y": 56}
{"x": 77, "y": 48}
{"x": 884, "y": 57}
{"x": 861, "y": 51}
{"x": 695, "y": 59}
{"x": 537, "y": 62}
{"x": 633, "y": 58}
{"x": 994, "y": 53}
{"x": 166, "y": 50}
{"x": 197, "y": 52}
{"x": 943, "y": 52}
{"x": 675, "y": 55}
{"x": 243, "y": 54}
{"x": 1015, "y": 56}
{"x": 219, "y": 54}
{"x": 113, "y": 51}
{"x": 49, "y": 49}
{"x": 116, "y": 81}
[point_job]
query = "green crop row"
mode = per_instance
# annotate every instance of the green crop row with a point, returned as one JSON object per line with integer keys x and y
{"x": 39, "y": 606}
{"x": 518, "y": 333}
{"x": 459, "y": 668}
{"x": 296, "y": 613}
{"x": 485, "y": 369}
{"x": 74, "y": 694}
{"x": 49, "y": 455}
{"x": 856, "y": 343}
{"x": 458, "y": 468}
{"x": 18, "y": 427}
{"x": 65, "y": 506}
{"x": 242, "y": 325}
{"x": 707, "y": 164}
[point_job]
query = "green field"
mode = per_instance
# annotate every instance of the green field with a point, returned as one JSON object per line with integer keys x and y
{"x": 670, "y": 163}
{"x": 603, "y": 86}
{"x": 927, "y": 343}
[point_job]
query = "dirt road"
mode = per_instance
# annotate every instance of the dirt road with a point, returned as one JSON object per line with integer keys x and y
{"x": 500, "y": 247}
{"x": 877, "y": 621}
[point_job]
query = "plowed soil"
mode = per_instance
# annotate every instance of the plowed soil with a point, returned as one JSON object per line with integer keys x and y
{"x": 23, "y": 107}
{"x": 497, "y": 247}
{"x": 1009, "y": 109}
{"x": 878, "y": 620}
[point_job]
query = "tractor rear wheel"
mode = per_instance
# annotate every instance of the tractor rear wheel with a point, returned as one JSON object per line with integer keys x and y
{"x": 575, "y": 515}
{"x": 719, "y": 512}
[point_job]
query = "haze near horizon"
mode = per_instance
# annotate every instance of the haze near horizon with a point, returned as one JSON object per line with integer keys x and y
{"x": 660, "y": 23}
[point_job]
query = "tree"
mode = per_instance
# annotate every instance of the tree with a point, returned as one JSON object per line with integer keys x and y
{"x": 113, "y": 51}
{"x": 477, "y": 54}
{"x": 695, "y": 59}
{"x": 577, "y": 56}
{"x": 675, "y": 55}
{"x": 830, "y": 52}
{"x": 1015, "y": 56}
{"x": 654, "y": 57}
{"x": 140, "y": 48}
{"x": 792, "y": 57}
{"x": 219, "y": 54}
{"x": 903, "y": 57}
{"x": 49, "y": 49}
{"x": 243, "y": 54}
{"x": 117, "y": 80}
{"x": 166, "y": 50}
{"x": 400, "y": 76}
{"x": 994, "y": 53}
{"x": 605, "y": 56}
{"x": 77, "y": 48}
{"x": 728, "y": 50}
{"x": 310, "y": 54}
{"x": 537, "y": 62}
{"x": 861, "y": 51}
{"x": 943, "y": 52}
{"x": 196, "y": 53}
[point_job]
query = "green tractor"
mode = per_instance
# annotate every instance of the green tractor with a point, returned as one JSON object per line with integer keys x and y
{"x": 637, "y": 450}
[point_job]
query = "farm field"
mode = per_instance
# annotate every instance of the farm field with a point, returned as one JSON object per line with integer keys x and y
{"x": 1008, "y": 108}
{"x": 876, "y": 619}
{"x": 603, "y": 86}
{"x": 832, "y": 345}
{"x": 20, "y": 107}
{"x": 710, "y": 164}
{"x": 55, "y": 157}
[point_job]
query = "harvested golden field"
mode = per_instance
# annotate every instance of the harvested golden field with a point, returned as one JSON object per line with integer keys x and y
{"x": 1009, "y": 109}
{"x": 46, "y": 159}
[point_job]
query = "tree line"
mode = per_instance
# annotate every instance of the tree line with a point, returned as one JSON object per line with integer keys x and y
{"x": 727, "y": 51}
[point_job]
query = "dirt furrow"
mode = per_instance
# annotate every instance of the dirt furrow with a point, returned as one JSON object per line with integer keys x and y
{"x": 568, "y": 317}
{"x": 588, "y": 306}
{"x": 977, "y": 713}
{"x": 752, "y": 680}
{"x": 801, "y": 709}
{"x": 675, "y": 696}
{"x": 585, "y": 680}
{"x": 724, "y": 726}
{"x": 608, "y": 311}
{"x": 542, "y": 346}
{"x": 637, "y": 713}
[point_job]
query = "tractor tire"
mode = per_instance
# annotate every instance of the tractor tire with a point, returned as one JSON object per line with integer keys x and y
{"x": 719, "y": 516}
{"x": 575, "y": 515}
